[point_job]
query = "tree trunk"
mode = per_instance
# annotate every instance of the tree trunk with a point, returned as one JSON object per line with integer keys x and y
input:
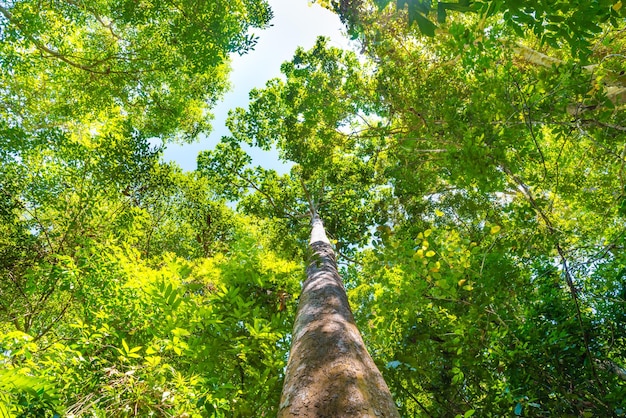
{"x": 330, "y": 373}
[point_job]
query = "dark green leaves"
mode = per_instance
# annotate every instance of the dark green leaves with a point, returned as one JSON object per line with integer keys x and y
{"x": 572, "y": 23}
{"x": 426, "y": 26}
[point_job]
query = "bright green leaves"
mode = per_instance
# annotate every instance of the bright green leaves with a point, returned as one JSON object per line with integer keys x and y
{"x": 555, "y": 23}
{"x": 325, "y": 117}
{"x": 260, "y": 192}
{"x": 440, "y": 322}
{"x": 127, "y": 352}
{"x": 417, "y": 11}
{"x": 147, "y": 330}
{"x": 21, "y": 390}
{"x": 90, "y": 225}
{"x": 574, "y": 23}
{"x": 185, "y": 217}
{"x": 311, "y": 113}
{"x": 446, "y": 264}
{"x": 22, "y": 394}
{"x": 159, "y": 65}
{"x": 262, "y": 132}
{"x": 168, "y": 297}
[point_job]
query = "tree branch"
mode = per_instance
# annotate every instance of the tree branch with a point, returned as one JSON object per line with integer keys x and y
{"x": 250, "y": 183}
{"x": 612, "y": 367}
{"x": 567, "y": 273}
{"x": 529, "y": 125}
{"x": 54, "y": 53}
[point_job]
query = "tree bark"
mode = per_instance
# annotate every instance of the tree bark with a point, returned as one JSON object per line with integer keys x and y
{"x": 330, "y": 373}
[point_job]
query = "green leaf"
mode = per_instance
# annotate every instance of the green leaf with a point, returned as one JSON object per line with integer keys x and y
{"x": 125, "y": 346}
{"x": 172, "y": 297}
{"x": 176, "y": 303}
{"x": 425, "y": 26}
{"x": 168, "y": 291}
{"x": 441, "y": 13}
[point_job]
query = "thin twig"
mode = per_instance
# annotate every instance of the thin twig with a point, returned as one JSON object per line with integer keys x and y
{"x": 408, "y": 392}
{"x": 267, "y": 196}
{"x": 528, "y": 120}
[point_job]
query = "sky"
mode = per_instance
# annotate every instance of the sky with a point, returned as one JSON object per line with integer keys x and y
{"x": 296, "y": 23}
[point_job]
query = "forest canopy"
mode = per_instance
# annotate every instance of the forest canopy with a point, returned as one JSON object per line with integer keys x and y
{"x": 468, "y": 164}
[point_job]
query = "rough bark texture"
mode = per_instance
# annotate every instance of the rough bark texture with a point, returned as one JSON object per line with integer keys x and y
{"x": 330, "y": 373}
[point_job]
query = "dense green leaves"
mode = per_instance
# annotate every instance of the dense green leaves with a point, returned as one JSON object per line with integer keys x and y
{"x": 472, "y": 183}
{"x": 218, "y": 340}
{"x": 476, "y": 290}
{"x": 555, "y": 23}
{"x": 160, "y": 66}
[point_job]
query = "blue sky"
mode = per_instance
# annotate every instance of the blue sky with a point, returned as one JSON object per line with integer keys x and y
{"x": 295, "y": 23}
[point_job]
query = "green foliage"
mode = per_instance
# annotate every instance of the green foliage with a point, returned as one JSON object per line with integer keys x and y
{"x": 475, "y": 288}
{"x": 218, "y": 344}
{"x": 159, "y": 66}
{"x": 22, "y": 394}
{"x": 472, "y": 183}
{"x": 315, "y": 118}
{"x": 574, "y": 23}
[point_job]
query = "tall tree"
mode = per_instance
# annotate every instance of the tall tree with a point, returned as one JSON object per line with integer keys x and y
{"x": 330, "y": 373}
{"x": 435, "y": 201}
{"x": 476, "y": 195}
